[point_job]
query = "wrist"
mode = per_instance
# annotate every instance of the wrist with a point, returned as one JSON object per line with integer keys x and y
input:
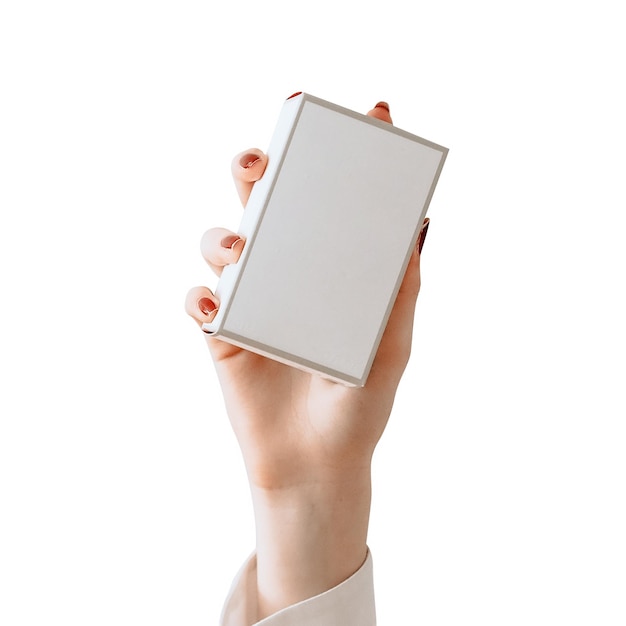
{"x": 311, "y": 536}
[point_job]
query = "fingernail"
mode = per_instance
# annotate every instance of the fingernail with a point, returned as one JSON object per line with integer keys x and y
{"x": 248, "y": 160}
{"x": 230, "y": 241}
{"x": 293, "y": 95}
{"x": 422, "y": 235}
{"x": 383, "y": 105}
{"x": 206, "y": 306}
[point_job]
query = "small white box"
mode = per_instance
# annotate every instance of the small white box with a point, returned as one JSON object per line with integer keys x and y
{"x": 330, "y": 229}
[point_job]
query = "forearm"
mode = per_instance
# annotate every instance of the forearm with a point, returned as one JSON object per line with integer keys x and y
{"x": 310, "y": 537}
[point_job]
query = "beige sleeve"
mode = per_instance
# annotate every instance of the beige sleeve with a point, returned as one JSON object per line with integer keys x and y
{"x": 350, "y": 603}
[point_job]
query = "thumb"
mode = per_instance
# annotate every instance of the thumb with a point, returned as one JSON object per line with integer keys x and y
{"x": 381, "y": 112}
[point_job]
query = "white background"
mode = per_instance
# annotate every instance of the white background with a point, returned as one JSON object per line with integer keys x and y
{"x": 500, "y": 483}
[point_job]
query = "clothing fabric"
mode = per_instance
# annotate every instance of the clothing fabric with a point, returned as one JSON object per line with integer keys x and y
{"x": 351, "y": 603}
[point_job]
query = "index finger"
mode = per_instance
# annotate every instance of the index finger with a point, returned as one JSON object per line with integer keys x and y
{"x": 248, "y": 167}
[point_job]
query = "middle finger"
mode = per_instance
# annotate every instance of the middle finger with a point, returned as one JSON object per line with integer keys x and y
{"x": 221, "y": 247}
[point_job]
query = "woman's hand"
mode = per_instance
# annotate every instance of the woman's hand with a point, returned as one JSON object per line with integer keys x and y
{"x": 307, "y": 442}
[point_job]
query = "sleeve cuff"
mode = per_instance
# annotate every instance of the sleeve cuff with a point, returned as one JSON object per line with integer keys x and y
{"x": 351, "y": 603}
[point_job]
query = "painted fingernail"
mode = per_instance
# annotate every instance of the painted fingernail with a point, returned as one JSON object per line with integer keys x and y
{"x": 422, "y": 235}
{"x": 230, "y": 242}
{"x": 293, "y": 95}
{"x": 383, "y": 105}
{"x": 248, "y": 160}
{"x": 206, "y": 306}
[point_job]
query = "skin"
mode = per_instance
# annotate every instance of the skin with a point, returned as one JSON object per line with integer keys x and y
{"x": 307, "y": 443}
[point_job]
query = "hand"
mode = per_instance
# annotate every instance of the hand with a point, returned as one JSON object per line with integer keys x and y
{"x": 306, "y": 442}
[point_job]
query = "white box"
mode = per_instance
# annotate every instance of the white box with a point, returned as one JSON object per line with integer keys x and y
{"x": 329, "y": 232}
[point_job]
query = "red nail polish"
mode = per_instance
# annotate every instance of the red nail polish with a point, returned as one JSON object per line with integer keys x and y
{"x": 293, "y": 95}
{"x": 422, "y": 236}
{"x": 248, "y": 160}
{"x": 206, "y": 306}
{"x": 383, "y": 105}
{"x": 230, "y": 241}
